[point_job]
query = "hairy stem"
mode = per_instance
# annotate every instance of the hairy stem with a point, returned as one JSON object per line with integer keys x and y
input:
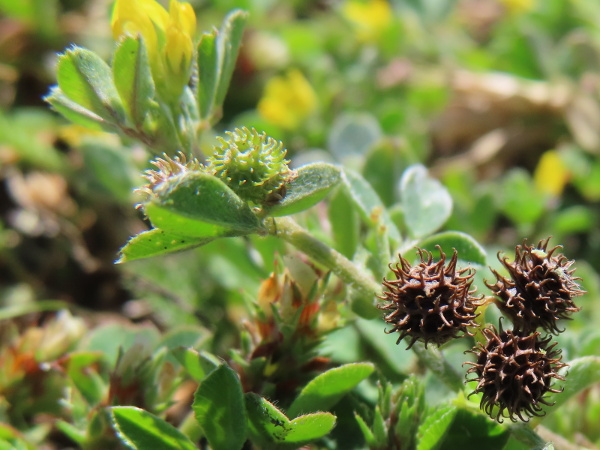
{"x": 288, "y": 230}
{"x": 359, "y": 280}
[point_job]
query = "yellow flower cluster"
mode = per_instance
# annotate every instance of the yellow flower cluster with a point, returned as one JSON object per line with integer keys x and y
{"x": 288, "y": 100}
{"x": 168, "y": 37}
{"x": 370, "y": 18}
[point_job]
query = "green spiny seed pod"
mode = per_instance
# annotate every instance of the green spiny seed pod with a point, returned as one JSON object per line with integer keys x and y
{"x": 252, "y": 164}
{"x": 514, "y": 371}
{"x": 431, "y": 302}
{"x": 540, "y": 288}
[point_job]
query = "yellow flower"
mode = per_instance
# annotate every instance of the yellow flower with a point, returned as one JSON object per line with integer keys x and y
{"x": 168, "y": 37}
{"x": 518, "y": 6}
{"x": 551, "y": 175}
{"x": 370, "y": 18}
{"x": 288, "y": 100}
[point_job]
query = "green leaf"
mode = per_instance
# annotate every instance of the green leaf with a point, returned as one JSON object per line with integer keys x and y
{"x": 166, "y": 219}
{"x": 487, "y": 433}
{"x": 87, "y": 380}
{"x": 580, "y": 374}
{"x": 205, "y": 198}
{"x": 76, "y": 113}
{"x": 228, "y": 45}
{"x": 425, "y": 201}
{"x": 383, "y": 166}
{"x": 11, "y": 439}
{"x": 519, "y": 199}
{"x": 380, "y": 431}
{"x": 138, "y": 429}
{"x": 86, "y": 79}
{"x": 208, "y": 63}
{"x": 310, "y": 427}
{"x": 369, "y": 204}
{"x": 132, "y": 77}
{"x": 353, "y": 135}
{"x": 190, "y": 360}
{"x": 80, "y": 437}
{"x": 156, "y": 242}
{"x": 25, "y": 131}
{"x": 366, "y": 431}
{"x": 220, "y": 410}
{"x": 325, "y": 390}
{"x": 310, "y": 185}
{"x": 467, "y": 247}
{"x": 217, "y": 54}
{"x": 345, "y": 226}
{"x": 20, "y": 309}
{"x": 266, "y": 424}
{"x": 434, "y": 427}
{"x": 110, "y": 169}
{"x": 112, "y": 339}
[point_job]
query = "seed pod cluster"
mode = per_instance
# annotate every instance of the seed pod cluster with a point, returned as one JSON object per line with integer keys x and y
{"x": 433, "y": 302}
{"x": 515, "y": 368}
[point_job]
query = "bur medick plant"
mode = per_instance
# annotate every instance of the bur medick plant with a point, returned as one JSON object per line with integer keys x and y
{"x": 274, "y": 385}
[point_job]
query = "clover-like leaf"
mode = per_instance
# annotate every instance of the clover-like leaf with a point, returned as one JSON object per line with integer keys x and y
{"x": 220, "y": 410}
{"x": 468, "y": 248}
{"x": 205, "y": 198}
{"x": 309, "y": 185}
{"x": 86, "y": 79}
{"x": 157, "y": 242}
{"x": 325, "y": 390}
{"x": 426, "y": 203}
{"x": 139, "y": 430}
{"x": 132, "y": 77}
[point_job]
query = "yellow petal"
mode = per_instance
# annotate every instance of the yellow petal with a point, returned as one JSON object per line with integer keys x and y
{"x": 183, "y": 17}
{"x": 178, "y": 52}
{"x": 288, "y": 100}
{"x": 369, "y": 18}
{"x": 518, "y": 6}
{"x": 135, "y": 17}
{"x": 155, "y": 12}
{"x": 551, "y": 175}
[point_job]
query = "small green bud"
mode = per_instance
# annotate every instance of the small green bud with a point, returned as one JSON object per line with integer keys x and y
{"x": 252, "y": 164}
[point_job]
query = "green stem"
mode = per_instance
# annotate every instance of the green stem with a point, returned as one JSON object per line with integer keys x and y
{"x": 527, "y": 436}
{"x": 435, "y": 361}
{"x": 359, "y": 280}
{"x": 288, "y": 230}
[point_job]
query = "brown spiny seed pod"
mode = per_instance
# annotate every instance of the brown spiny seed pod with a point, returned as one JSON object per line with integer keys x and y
{"x": 514, "y": 371}
{"x": 540, "y": 289}
{"x": 431, "y": 302}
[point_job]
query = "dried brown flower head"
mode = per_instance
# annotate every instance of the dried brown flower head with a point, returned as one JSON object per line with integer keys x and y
{"x": 540, "y": 289}
{"x": 514, "y": 372}
{"x": 431, "y": 302}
